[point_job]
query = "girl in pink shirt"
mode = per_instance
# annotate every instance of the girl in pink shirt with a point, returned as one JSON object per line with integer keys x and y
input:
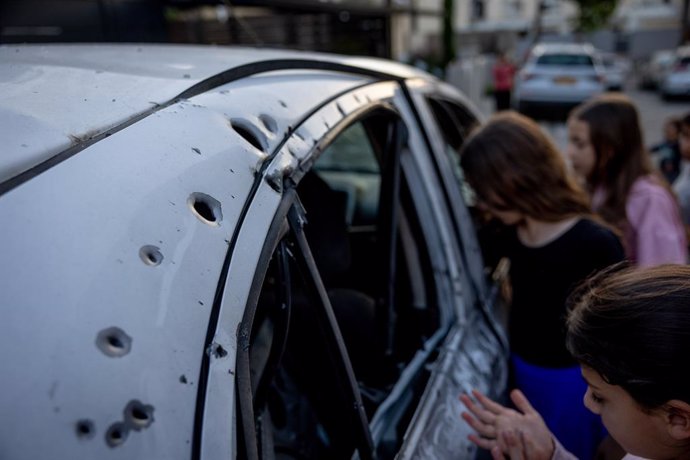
{"x": 606, "y": 150}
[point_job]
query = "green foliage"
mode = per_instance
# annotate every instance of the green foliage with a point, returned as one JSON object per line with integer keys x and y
{"x": 594, "y": 14}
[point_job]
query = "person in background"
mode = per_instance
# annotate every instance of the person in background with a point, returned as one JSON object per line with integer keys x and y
{"x": 605, "y": 148}
{"x": 682, "y": 184}
{"x": 553, "y": 243}
{"x": 668, "y": 151}
{"x": 630, "y": 331}
{"x": 503, "y": 72}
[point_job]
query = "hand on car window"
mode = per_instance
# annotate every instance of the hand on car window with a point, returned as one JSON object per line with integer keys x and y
{"x": 520, "y": 434}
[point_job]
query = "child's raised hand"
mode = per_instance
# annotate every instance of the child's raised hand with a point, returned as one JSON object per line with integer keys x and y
{"x": 520, "y": 434}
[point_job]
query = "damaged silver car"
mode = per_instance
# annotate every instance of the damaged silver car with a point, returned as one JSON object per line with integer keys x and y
{"x": 225, "y": 253}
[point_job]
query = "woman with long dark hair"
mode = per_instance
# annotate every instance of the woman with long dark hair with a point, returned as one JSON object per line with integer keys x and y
{"x": 553, "y": 243}
{"x": 607, "y": 151}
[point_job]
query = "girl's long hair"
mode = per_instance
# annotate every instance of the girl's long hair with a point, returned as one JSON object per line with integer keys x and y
{"x": 621, "y": 157}
{"x": 511, "y": 162}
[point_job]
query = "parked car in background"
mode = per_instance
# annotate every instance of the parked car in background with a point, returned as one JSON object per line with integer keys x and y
{"x": 652, "y": 71}
{"x": 676, "y": 81}
{"x": 235, "y": 253}
{"x": 558, "y": 76}
{"x": 615, "y": 70}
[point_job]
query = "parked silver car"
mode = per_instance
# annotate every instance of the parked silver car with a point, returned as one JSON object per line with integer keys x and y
{"x": 652, "y": 71}
{"x": 615, "y": 70}
{"x": 558, "y": 75}
{"x": 676, "y": 80}
{"x": 235, "y": 253}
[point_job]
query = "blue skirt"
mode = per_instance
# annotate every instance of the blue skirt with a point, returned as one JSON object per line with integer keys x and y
{"x": 556, "y": 393}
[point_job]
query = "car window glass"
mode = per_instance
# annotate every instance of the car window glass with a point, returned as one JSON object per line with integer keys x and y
{"x": 565, "y": 60}
{"x": 352, "y": 199}
{"x": 350, "y": 166}
{"x": 454, "y": 126}
{"x": 351, "y": 151}
{"x": 369, "y": 246}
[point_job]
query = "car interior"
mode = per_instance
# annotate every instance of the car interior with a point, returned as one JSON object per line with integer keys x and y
{"x": 371, "y": 275}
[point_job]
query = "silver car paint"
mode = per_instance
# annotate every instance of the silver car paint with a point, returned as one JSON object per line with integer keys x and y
{"x": 72, "y": 239}
{"x": 114, "y": 261}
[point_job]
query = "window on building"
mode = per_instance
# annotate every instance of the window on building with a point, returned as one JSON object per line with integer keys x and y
{"x": 477, "y": 10}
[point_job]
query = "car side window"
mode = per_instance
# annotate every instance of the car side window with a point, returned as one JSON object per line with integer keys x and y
{"x": 357, "y": 187}
{"x": 372, "y": 275}
{"x": 350, "y": 167}
{"x": 455, "y": 125}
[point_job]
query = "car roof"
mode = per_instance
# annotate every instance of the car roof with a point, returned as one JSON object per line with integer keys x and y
{"x": 56, "y": 97}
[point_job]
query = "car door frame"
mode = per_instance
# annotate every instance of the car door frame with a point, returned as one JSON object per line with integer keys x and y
{"x": 296, "y": 155}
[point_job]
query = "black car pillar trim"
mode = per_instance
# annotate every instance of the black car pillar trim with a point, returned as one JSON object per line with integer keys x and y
{"x": 326, "y": 316}
{"x": 256, "y": 68}
{"x": 388, "y": 225}
{"x": 222, "y": 78}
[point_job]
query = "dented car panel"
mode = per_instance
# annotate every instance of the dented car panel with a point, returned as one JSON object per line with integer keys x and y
{"x": 157, "y": 207}
{"x": 471, "y": 360}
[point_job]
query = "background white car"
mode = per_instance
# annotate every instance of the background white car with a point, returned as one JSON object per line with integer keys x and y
{"x": 652, "y": 71}
{"x": 556, "y": 77}
{"x": 676, "y": 80}
{"x": 235, "y": 253}
{"x": 615, "y": 70}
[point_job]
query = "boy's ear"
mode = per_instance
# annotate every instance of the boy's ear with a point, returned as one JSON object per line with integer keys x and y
{"x": 678, "y": 419}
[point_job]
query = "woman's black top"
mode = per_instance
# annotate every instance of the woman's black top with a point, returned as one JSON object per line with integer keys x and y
{"x": 543, "y": 277}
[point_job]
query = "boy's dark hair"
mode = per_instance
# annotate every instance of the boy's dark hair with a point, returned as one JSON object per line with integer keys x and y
{"x": 632, "y": 326}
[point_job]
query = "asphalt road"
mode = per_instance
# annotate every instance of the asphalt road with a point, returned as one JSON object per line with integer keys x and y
{"x": 653, "y": 113}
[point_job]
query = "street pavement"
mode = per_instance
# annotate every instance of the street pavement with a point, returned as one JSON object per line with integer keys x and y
{"x": 653, "y": 113}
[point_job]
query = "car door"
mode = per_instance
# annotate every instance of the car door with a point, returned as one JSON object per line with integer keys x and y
{"x": 360, "y": 287}
{"x": 475, "y": 351}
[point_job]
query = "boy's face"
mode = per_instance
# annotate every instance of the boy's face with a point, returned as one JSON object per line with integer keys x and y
{"x": 684, "y": 141}
{"x": 640, "y": 432}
